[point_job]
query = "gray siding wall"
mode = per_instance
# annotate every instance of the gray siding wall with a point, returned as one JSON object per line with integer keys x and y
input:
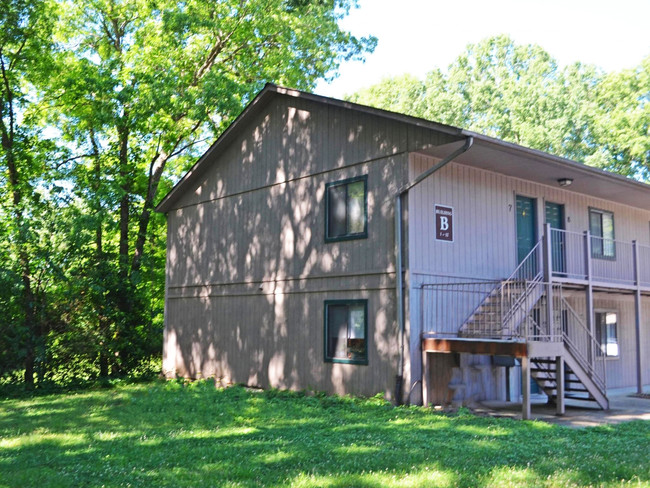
{"x": 485, "y": 215}
{"x": 485, "y": 234}
{"x": 248, "y": 269}
{"x": 621, "y": 370}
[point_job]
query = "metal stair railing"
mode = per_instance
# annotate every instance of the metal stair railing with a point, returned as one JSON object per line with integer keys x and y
{"x": 446, "y": 306}
{"x": 517, "y": 290}
{"x": 584, "y": 347}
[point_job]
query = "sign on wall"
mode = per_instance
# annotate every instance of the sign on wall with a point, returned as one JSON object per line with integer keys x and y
{"x": 444, "y": 223}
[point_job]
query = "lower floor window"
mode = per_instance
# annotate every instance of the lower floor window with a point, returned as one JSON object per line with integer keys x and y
{"x": 346, "y": 330}
{"x": 607, "y": 333}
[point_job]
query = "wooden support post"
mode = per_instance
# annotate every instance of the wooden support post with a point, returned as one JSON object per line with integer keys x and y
{"x": 425, "y": 378}
{"x": 637, "y": 319}
{"x": 525, "y": 374}
{"x": 559, "y": 379}
{"x": 548, "y": 277}
{"x": 589, "y": 312}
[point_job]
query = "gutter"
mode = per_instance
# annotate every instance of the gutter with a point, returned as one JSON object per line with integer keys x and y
{"x": 399, "y": 282}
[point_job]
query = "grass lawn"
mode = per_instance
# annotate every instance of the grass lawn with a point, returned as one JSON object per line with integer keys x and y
{"x": 167, "y": 434}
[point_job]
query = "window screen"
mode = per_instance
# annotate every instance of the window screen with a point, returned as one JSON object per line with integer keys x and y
{"x": 346, "y": 329}
{"x": 346, "y": 209}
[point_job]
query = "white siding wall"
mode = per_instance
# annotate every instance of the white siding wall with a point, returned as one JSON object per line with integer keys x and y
{"x": 485, "y": 234}
{"x": 621, "y": 371}
{"x": 485, "y": 219}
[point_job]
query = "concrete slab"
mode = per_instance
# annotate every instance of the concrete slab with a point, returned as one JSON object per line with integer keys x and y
{"x": 623, "y": 408}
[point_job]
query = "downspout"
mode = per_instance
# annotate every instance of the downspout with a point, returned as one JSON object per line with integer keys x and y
{"x": 399, "y": 282}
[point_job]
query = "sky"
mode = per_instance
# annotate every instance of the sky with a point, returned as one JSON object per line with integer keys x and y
{"x": 415, "y": 36}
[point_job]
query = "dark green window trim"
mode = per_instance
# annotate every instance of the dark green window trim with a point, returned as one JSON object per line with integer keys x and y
{"x": 598, "y": 240}
{"x": 361, "y": 358}
{"x": 348, "y": 235}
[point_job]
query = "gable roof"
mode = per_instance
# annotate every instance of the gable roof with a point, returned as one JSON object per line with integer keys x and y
{"x": 488, "y": 153}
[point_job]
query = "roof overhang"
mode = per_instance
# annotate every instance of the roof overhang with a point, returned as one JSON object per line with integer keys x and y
{"x": 487, "y": 153}
{"x": 532, "y": 165}
{"x": 257, "y": 104}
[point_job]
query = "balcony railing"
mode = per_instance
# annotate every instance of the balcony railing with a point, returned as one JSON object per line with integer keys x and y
{"x": 487, "y": 309}
{"x": 583, "y": 257}
{"x": 444, "y": 307}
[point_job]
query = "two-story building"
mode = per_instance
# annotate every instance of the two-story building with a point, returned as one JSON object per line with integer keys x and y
{"x": 513, "y": 265}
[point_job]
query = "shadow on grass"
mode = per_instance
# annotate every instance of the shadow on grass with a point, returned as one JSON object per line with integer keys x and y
{"x": 172, "y": 435}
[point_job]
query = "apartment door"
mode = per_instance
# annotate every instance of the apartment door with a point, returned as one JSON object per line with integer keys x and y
{"x": 526, "y": 232}
{"x": 554, "y": 213}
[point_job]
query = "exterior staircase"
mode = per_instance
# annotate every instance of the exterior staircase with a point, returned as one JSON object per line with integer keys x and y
{"x": 503, "y": 310}
{"x": 501, "y": 313}
{"x": 514, "y": 310}
{"x": 577, "y": 385}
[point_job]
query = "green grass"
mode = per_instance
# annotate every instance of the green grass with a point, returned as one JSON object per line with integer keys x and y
{"x": 195, "y": 435}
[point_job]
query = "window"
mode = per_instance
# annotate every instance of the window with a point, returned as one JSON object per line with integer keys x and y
{"x": 346, "y": 329}
{"x": 607, "y": 333}
{"x": 601, "y": 227}
{"x": 346, "y": 209}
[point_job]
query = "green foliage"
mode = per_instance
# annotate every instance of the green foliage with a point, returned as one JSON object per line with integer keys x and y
{"x": 193, "y": 434}
{"x": 519, "y": 94}
{"x": 104, "y": 104}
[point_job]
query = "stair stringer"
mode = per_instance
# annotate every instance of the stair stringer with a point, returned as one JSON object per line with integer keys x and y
{"x": 548, "y": 375}
{"x": 594, "y": 390}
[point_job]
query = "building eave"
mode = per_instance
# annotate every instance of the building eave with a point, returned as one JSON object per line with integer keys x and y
{"x": 507, "y": 158}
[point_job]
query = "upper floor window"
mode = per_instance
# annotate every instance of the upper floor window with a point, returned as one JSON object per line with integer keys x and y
{"x": 607, "y": 333}
{"x": 601, "y": 227}
{"x": 346, "y": 204}
{"x": 346, "y": 330}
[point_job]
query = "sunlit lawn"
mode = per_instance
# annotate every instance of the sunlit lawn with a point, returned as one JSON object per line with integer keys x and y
{"x": 173, "y": 435}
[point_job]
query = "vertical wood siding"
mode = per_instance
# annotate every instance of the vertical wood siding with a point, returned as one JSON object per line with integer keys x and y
{"x": 484, "y": 219}
{"x": 484, "y": 244}
{"x": 276, "y": 340}
{"x": 249, "y": 271}
{"x": 621, "y": 371}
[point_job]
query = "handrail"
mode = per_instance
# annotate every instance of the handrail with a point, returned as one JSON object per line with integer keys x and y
{"x": 515, "y": 300}
{"x": 459, "y": 283}
{"x": 522, "y": 297}
{"x": 534, "y": 250}
{"x": 593, "y": 343}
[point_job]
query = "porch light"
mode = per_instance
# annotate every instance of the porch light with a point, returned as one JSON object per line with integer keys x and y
{"x": 565, "y": 181}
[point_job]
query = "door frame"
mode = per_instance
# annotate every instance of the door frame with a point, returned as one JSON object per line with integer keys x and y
{"x": 563, "y": 222}
{"x": 535, "y": 224}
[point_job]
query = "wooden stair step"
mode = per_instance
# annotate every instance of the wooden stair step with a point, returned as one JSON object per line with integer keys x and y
{"x": 544, "y": 361}
{"x": 576, "y": 389}
{"x": 582, "y": 398}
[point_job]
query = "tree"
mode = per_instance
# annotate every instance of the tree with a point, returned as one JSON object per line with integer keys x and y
{"x": 25, "y": 56}
{"x": 622, "y": 124}
{"x": 146, "y": 84}
{"x": 519, "y": 94}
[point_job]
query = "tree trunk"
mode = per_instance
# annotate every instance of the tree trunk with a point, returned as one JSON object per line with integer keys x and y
{"x": 124, "y": 202}
{"x": 23, "y": 257}
{"x": 157, "y": 168}
{"x": 99, "y": 257}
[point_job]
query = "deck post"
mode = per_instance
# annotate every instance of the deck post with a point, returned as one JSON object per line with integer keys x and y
{"x": 548, "y": 277}
{"x": 425, "y": 376}
{"x": 559, "y": 379}
{"x": 525, "y": 373}
{"x": 637, "y": 318}
{"x": 589, "y": 312}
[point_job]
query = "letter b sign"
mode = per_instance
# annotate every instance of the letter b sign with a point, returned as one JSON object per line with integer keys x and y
{"x": 444, "y": 223}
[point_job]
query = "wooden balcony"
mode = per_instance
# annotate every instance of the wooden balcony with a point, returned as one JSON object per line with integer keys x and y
{"x": 582, "y": 259}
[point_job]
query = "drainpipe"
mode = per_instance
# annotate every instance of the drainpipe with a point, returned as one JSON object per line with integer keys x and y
{"x": 399, "y": 285}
